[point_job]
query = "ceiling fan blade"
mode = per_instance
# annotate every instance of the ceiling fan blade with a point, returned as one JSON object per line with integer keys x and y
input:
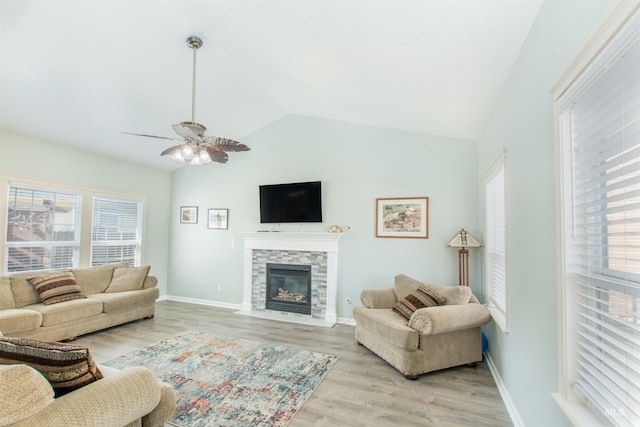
{"x": 153, "y": 136}
{"x": 171, "y": 150}
{"x": 187, "y": 133}
{"x": 226, "y": 144}
{"x": 217, "y": 155}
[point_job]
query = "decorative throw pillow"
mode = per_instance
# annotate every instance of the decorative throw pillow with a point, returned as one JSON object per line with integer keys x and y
{"x": 420, "y": 298}
{"x": 23, "y": 393}
{"x": 66, "y": 367}
{"x": 128, "y": 279}
{"x": 56, "y": 287}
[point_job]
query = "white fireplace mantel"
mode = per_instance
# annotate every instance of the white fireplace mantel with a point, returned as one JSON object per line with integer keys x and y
{"x": 293, "y": 241}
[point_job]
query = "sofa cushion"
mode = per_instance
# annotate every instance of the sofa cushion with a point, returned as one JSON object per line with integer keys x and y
{"x": 420, "y": 298}
{"x": 14, "y": 320}
{"x": 128, "y": 279}
{"x": 6, "y": 296}
{"x": 23, "y": 292}
{"x": 454, "y": 295}
{"x": 93, "y": 280}
{"x": 66, "y": 367}
{"x": 386, "y": 324}
{"x": 56, "y": 287}
{"x": 23, "y": 393}
{"x": 67, "y": 311}
{"x": 118, "y": 301}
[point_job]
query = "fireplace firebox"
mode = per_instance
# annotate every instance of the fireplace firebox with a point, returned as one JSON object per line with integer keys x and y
{"x": 288, "y": 288}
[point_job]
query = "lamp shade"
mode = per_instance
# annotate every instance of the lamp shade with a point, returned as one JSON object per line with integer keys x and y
{"x": 464, "y": 240}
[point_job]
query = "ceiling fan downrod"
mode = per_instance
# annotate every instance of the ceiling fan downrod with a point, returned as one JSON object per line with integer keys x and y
{"x": 195, "y": 43}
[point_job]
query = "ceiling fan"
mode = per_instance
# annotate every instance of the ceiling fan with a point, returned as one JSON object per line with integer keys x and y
{"x": 195, "y": 147}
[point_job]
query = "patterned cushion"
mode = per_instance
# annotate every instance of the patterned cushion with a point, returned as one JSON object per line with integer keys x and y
{"x": 56, "y": 287}
{"x": 420, "y": 298}
{"x": 128, "y": 279}
{"x": 66, "y": 367}
{"x": 23, "y": 393}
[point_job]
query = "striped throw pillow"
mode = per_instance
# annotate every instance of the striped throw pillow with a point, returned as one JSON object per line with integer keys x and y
{"x": 420, "y": 298}
{"x": 66, "y": 367}
{"x": 56, "y": 287}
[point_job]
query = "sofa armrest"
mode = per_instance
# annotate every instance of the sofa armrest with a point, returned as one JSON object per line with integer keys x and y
{"x": 150, "y": 282}
{"x": 378, "y": 298}
{"x": 118, "y": 399}
{"x": 449, "y": 318}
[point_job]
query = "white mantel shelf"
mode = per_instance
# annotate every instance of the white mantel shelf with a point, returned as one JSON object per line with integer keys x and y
{"x": 293, "y": 241}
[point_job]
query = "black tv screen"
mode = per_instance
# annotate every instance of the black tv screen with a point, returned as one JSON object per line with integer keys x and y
{"x": 296, "y": 202}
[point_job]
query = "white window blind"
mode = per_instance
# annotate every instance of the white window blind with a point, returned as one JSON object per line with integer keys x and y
{"x": 116, "y": 231}
{"x": 42, "y": 230}
{"x": 602, "y": 241}
{"x": 495, "y": 241}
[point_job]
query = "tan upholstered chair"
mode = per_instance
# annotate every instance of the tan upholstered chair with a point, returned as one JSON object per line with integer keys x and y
{"x": 434, "y": 338}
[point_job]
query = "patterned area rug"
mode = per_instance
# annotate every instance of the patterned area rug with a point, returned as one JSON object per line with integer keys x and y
{"x": 223, "y": 381}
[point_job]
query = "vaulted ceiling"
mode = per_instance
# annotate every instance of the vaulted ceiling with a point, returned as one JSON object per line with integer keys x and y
{"x": 80, "y": 72}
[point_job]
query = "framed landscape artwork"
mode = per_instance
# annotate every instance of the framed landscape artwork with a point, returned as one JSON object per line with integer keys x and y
{"x": 188, "y": 214}
{"x": 406, "y": 218}
{"x": 218, "y": 219}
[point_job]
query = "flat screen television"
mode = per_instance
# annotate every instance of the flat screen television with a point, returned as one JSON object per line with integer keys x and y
{"x": 295, "y": 202}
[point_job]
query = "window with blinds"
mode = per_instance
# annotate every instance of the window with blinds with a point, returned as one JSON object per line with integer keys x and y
{"x": 495, "y": 241}
{"x": 601, "y": 142}
{"x": 116, "y": 231}
{"x": 42, "y": 230}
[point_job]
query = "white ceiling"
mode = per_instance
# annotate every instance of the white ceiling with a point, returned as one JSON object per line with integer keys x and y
{"x": 80, "y": 72}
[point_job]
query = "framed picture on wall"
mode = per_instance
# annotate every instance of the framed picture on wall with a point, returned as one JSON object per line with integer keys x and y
{"x": 406, "y": 218}
{"x": 218, "y": 219}
{"x": 188, "y": 214}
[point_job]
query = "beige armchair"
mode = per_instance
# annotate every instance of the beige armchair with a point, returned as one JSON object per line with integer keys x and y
{"x": 433, "y": 338}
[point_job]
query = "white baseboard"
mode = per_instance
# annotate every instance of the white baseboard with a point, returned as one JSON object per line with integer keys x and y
{"x": 506, "y": 398}
{"x": 203, "y": 302}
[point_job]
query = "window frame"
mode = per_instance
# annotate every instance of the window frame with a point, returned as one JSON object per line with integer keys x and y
{"x": 86, "y": 193}
{"x": 499, "y": 312}
{"x": 616, "y": 33}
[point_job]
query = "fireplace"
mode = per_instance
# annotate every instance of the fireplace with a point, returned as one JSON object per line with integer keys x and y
{"x": 288, "y": 288}
{"x": 319, "y": 250}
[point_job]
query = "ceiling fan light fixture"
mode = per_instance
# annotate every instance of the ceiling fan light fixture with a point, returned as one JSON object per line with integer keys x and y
{"x": 187, "y": 152}
{"x": 204, "y": 156}
{"x": 195, "y": 148}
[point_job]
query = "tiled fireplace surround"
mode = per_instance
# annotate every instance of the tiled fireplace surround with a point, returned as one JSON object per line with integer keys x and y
{"x": 319, "y": 250}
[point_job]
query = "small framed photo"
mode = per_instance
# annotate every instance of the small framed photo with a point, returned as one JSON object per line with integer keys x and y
{"x": 218, "y": 219}
{"x": 407, "y": 218}
{"x": 188, "y": 214}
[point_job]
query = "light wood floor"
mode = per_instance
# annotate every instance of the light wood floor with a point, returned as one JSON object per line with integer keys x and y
{"x": 360, "y": 390}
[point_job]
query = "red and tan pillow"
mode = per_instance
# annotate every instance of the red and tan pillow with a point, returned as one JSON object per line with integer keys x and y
{"x": 420, "y": 298}
{"x": 56, "y": 287}
{"x": 66, "y": 367}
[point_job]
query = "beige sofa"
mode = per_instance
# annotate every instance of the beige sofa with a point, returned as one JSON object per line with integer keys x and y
{"x": 22, "y": 313}
{"x": 131, "y": 397}
{"x": 433, "y": 338}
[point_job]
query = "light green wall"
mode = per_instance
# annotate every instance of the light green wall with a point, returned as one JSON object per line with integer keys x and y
{"x": 32, "y": 158}
{"x": 356, "y": 164}
{"x": 522, "y": 123}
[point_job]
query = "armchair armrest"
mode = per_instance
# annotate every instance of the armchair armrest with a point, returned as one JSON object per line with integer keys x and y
{"x": 117, "y": 399}
{"x": 449, "y": 318}
{"x": 378, "y": 298}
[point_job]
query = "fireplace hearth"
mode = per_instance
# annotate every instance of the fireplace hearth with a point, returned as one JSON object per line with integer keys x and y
{"x": 288, "y": 288}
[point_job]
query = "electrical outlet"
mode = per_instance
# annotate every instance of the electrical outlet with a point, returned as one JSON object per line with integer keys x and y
{"x": 219, "y": 286}
{"x": 348, "y": 300}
